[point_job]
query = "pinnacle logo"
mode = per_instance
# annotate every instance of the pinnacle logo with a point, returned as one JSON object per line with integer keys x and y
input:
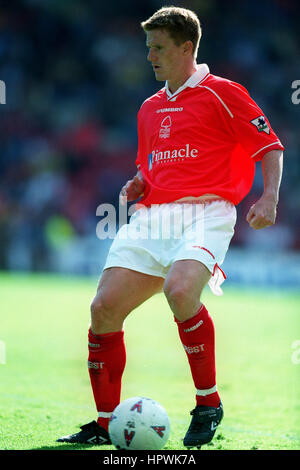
{"x": 150, "y": 161}
{"x": 159, "y": 430}
{"x": 170, "y": 156}
{"x": 165, "y": 128}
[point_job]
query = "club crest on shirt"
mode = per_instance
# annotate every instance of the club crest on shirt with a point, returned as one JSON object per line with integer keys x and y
{"x": 165, "y": 128}
{"x": 260, "y": 124}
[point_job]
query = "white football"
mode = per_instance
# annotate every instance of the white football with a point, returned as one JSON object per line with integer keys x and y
{"x": 139, "y": 423}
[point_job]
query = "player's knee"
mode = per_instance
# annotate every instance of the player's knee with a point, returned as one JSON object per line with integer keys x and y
{"x": 102, "y": 309}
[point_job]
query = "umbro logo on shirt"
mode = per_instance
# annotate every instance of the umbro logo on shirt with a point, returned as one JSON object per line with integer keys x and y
{"x": 169, "y": 110}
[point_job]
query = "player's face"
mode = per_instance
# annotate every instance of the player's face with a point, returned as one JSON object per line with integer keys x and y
{"x": 166, "y": 57}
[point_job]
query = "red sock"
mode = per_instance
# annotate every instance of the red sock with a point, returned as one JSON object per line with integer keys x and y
{"x": 106, "y": 363}
{"x": 197, "y": 335}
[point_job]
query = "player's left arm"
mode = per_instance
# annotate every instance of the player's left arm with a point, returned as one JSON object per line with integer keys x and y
{"x": 263, "y": 213}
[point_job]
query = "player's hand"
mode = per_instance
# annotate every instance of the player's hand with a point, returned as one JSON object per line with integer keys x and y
{"x": 132, "y": 190}
{"x": 262, "y": 214}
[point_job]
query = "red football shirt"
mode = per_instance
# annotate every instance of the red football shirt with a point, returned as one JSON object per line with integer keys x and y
{"x": 205, "y": 138}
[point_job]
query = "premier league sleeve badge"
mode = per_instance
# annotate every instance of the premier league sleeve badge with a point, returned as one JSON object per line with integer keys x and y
{"x": 260, "y": 124}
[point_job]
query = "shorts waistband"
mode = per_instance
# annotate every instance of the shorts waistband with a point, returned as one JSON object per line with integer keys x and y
{"x": 188, "y": 202}
{"x": 200, "y": 201}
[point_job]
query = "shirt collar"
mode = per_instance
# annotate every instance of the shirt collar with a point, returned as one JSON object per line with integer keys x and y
{"x": 192, "y": 81}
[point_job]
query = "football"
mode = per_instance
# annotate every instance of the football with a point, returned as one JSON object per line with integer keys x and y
{"x": 139, "y": 423}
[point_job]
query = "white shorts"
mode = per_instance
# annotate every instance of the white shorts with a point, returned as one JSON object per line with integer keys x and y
{"x": 159, "y": 235}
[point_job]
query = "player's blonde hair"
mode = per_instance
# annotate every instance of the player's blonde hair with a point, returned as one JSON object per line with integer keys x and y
{"x": 182, "y": 25}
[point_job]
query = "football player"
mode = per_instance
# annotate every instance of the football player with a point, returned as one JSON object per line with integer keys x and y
{"x": 199, "y": 138}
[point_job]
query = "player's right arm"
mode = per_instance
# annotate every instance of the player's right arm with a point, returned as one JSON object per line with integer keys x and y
{"x": 133, "y": 189}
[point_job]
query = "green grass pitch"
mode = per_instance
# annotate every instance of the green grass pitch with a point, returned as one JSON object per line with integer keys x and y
{"x": 44, "y": 384}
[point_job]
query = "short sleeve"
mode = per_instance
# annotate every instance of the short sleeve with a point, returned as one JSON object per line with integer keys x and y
{"x": 247, "y": 121}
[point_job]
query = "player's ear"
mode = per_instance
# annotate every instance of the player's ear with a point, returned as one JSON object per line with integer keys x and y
{"x": 187, "y": 48}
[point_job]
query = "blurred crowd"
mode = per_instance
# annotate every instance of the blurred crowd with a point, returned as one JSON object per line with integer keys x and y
{"x": 76, "y": 74}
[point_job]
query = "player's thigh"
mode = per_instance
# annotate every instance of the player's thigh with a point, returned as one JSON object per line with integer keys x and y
{"x": 122, "y": 290}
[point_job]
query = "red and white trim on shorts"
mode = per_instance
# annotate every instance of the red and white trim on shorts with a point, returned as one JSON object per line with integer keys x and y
{"x": 205, "y": 249}
{"x": 216, "y": 266}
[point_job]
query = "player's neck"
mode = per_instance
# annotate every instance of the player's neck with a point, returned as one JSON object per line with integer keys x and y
{"x": 183, "y": 76}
